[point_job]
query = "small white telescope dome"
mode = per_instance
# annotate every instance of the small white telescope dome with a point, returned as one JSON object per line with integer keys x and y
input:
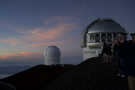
{"x": 98, "y": 32}
{"x": 52, "y": 55}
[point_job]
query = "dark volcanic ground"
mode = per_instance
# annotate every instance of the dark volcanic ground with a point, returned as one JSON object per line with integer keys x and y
{"x": 91, "y": 74}
{"x": 37, "y": 77}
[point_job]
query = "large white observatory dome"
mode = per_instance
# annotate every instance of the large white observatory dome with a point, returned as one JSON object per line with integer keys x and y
{"x": 101, "y": 26}
{"x": 52, "y": 55}
{"x": 105, "y": 25}
{"x": 98, "y": 32}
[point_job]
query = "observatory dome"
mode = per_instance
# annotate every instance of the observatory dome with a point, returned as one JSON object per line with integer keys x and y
{"x": 53, "y": 51}
{"x": 96, "y": 34}
{"x": 52, "y": 55}
{"x": 104, "y": 25}
{"x": 101, "y": 26}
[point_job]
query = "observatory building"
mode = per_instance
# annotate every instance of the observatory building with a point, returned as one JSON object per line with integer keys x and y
{"x": 96, "y": 33}
{"x": 52, "y": 55}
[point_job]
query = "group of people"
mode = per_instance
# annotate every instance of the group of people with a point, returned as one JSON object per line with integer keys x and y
{"x": 124, "y": 51}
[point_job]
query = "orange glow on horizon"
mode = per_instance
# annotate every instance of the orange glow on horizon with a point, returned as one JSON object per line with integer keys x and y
{"x": 20, "y": 54}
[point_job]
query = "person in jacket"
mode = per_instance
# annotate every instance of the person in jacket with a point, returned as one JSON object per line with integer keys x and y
{"x": 123, "y": 53}
{"x": 131, "y": 63}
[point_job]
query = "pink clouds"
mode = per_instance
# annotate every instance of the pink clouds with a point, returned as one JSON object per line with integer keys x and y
{"x": 19, "y": 54}
{"x": 11, "y": 41}
{"x": 41, "y": 36}
{"x": 48, "y": 43}
{"x": 58, "y": 20}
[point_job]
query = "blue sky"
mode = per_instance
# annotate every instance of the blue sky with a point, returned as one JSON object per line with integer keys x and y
{"x": 27, "y": 26}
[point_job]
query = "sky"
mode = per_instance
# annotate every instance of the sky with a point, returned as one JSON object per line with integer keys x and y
{"x": 28, "y": 26}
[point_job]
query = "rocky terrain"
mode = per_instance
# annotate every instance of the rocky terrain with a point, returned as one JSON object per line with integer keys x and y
{"x": 92, "y": 74}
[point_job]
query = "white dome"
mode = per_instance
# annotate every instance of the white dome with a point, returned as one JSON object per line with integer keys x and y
{"x": 53, "y": 51}
{"x": 52, "y": 55}
{"x": 101, "y": 26}
{"x": 104, "y": 25}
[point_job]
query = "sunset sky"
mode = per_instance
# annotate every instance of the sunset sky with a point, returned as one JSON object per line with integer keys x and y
{"x": 28, "y": 26}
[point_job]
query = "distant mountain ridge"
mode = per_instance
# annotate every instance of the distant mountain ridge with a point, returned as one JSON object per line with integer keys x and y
{"x": 37, "y": 77}
{"x": 13, "y": 69}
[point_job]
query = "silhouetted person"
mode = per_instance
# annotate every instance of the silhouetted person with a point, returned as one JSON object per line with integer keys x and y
{"x": 115, "y": 51}
{"x": 123, "y": 51}
{"x": 107, "y": 52}
{"x": 107, "y": 49}
{"x": 131, "y": 63}
{"x": 115, "y": 48}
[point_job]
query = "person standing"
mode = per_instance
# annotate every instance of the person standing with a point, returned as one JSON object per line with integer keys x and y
{"x": 131, "y": 63}
{"x": 106, "y": 52}
{"x": 115, "y": 51}
{"x": 123, "y": 53}
{"x": 115, "y": 48}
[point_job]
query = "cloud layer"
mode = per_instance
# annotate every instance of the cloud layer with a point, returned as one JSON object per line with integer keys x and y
{"x": 41, "y": 36}
{"x": 19, "y": 54}
{"x": 45, "y": 35}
